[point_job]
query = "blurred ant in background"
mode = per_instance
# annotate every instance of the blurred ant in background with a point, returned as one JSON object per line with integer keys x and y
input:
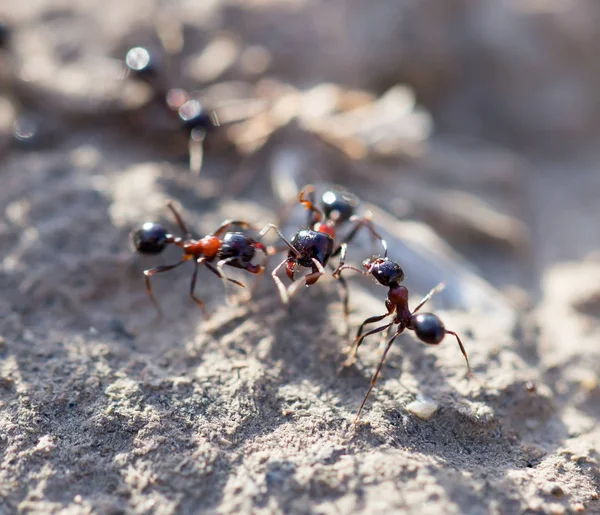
{"x": 234, "y": 249}
{"x": 427, "y": 326}
{"x": 194, "y": 119}
{"x": 313, "y": 247}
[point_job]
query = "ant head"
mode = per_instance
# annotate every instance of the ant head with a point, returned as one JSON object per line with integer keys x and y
{"x": 428, "y": 328}
{"x": 339, "y": 205}
{"x": 194, "y": 115}
{"x": 386, "y": 271}
{"x": 311, "y": 245}
{"x": 152, "y": 238}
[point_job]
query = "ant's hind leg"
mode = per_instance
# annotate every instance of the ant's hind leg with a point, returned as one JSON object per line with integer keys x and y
{"x": 462, "y": 349}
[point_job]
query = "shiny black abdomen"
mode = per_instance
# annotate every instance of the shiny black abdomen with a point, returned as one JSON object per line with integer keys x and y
{"x": 339, "y": 205}
{"x": 237, "y": 245}
{"x": 312, "y": 244}
{"x": 152, "y": 238}
{"x": 428, "y": 327}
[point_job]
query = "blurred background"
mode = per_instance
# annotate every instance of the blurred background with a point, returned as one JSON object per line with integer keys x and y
{"x": 469, "y": 128}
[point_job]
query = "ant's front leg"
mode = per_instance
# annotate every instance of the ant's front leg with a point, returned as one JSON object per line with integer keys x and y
{"x": 273, "y": 227}
{"x": 283, "y": 293}
{"x": 342, "y": 250}
{"x": 309, "y": 279}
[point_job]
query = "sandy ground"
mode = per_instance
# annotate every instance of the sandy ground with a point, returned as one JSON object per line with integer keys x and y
{"x": 104, "y": 410}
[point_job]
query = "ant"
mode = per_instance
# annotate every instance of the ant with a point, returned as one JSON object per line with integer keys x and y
{"x": 427, "y": 326}
{"x": 313, "y": 247}
{"x": 234, "y": 249}
{"x": 193, "y": 117}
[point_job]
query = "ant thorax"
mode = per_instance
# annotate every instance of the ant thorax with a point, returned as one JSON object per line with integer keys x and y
{"x": 208, "y": 247}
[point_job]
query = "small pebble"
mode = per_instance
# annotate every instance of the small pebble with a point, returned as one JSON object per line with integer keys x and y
{"x": 422, "y": 408}
{"x": 557, "y": 491}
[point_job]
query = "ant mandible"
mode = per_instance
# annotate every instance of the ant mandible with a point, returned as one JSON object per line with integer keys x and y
{"x": 427, "y": 326}
{"x": 313, "y": 247}
{"x": 234, "y": 249}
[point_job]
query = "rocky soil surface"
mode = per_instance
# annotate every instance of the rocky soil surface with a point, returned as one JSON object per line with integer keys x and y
{"x": 467, "y": 128}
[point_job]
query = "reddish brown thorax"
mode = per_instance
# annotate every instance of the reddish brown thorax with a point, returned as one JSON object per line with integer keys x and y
{"x": 325, "y": 228}
{"x": 208, "y": 247}
{"x": 398, "y": 296}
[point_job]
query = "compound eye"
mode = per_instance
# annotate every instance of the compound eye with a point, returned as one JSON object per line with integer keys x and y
{"x": 429, "y": 328}
{"x": 152, "y": 238}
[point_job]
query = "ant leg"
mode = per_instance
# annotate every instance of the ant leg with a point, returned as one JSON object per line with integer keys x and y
{"x": 280, "y": 286}
{"x": 385, "y": 337}
{"x": 369, "y": 321}
{"x": 462, "y": 349}
{"x": 196, "y": 150}
{"x": 308, "y": 279}
{"x": 179, "y": 220}
{"x": 149, "y": 273}
{"x": 353, "y": 352}
{"x": 198, "y": 262}
{"x": 337, "y": 273}
{"x": 268, "y": 227}
{"x": 364, "y": 221}
{"x": 345, "y": 290}
{"x": 315, "y": 215}
{"x": 219, "y": 271}
{"x": 376, "y": 375}
{"x": 228, "y": 223}
{"x": 345, "y": 304}
{"x": 431, "y": 293}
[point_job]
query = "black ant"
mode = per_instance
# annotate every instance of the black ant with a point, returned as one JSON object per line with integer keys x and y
{"x": 427, "y": 326}
{"x": 234, "y": 249}
{"x": 313, "y": 247}
{"x": 194, "y": 118}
